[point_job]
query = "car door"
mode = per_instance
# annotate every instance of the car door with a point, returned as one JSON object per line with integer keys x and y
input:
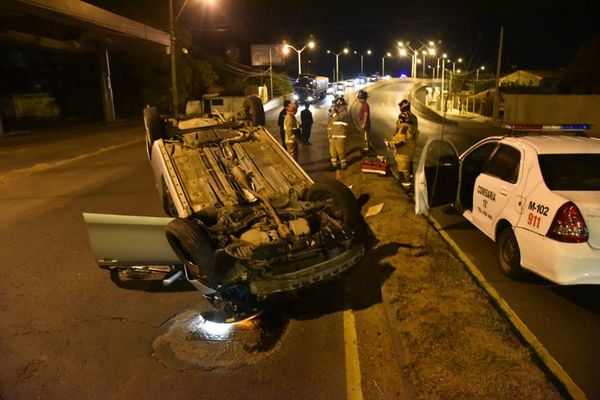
{"x": 436, "y": 177}
{"x": 495, "y": 188}
{"x": 125, "y": 240}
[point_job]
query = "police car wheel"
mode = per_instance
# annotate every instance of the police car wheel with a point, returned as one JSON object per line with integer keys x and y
{"x": 509, "y": 254}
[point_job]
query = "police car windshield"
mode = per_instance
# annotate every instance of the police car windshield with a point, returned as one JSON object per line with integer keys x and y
{"x": 571, "y": 171}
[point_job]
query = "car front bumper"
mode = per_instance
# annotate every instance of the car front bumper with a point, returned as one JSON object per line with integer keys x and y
{"x": 562, "y": 263}
{"x": 309, "y": 276}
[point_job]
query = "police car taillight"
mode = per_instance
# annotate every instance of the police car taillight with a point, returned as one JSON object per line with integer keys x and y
{"x": 568, "y": 225}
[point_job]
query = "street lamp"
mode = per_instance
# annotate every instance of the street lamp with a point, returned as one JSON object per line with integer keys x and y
{"x": 454, "y": 64}
{"x": 437, "y": 68}
{"x": 477, "y": 74}
{"x": 361, "y": 60}
{"x": 287, "y": 47}
{"x": 427, "y": 48}
{"x": 337, "y": 62}
{"x": 430, "y": 51}
{"x": 388, "y": 54}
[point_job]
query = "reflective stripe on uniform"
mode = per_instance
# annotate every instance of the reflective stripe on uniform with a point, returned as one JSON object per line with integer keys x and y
{"x": 340, "y": 123}
{"x": 339, "y": 136}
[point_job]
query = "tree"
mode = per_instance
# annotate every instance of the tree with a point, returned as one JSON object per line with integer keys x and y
{"x": 583, "y": 75}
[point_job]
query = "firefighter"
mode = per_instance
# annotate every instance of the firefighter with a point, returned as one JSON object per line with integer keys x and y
{"x": 292, "y": 130}
{"x": 403, "y": 143}
{"x": 337, "y": 129}
{"x": 364, "y": 118}
{"x": 412, "y": 118}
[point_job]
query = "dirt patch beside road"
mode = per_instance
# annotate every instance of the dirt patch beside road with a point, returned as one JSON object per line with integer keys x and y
{"x": 456, "y": 343}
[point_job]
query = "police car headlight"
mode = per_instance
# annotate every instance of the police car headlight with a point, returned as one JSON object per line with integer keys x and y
{"x": 295, "y": 97}
{"x": 310, "y": 98}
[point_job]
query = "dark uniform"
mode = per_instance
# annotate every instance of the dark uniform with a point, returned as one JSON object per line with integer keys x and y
{"x": 306, "y": 119}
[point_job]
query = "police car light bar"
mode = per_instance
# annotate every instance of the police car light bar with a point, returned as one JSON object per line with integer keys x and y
{"x": 539, "y": 127}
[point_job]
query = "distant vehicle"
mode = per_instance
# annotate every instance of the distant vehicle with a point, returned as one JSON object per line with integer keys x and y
{"x": 373, "y": 78}
{"x": 245, "y": 220}
{"x": 310, "y": 88}
{"x": 349, "y": 83}
{"x": 361, "y": 80}
{"x": 340, "y": 89}
{"x": 331, "y": 88}
{"x": 534, "y": 193}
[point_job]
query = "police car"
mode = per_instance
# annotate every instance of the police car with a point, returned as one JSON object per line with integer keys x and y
{"x": 536, "y": 192}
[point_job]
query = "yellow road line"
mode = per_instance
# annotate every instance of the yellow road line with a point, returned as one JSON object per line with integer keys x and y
{"x": 550, "y": 362}
{"x": 353, "y": 384}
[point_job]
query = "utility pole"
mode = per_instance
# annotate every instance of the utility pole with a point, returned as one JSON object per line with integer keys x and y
{"x": 174, "y": 94}
{"x": 497, "y": 91}
{"x": 271, "y": 70}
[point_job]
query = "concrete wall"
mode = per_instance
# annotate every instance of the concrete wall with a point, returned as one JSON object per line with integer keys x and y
{"x": 35, "y": 105}
{"x": 553, "y": 109}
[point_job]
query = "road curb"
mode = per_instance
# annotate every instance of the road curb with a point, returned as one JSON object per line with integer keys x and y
{"x": 552, "y": 366}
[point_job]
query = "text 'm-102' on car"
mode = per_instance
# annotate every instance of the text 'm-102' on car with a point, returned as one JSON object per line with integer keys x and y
{"x": 245, "y": 220}
{"x": 535, "y": 192}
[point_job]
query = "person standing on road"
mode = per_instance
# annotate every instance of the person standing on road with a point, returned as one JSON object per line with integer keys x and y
{"x": 306, "y": 120}
{"x": 364, "y": 118}
{"x": 337, "y": 130}
{"x": 282, "y": 115}
{"x": 292, "y": 130}
{"x": 403, "y": 143}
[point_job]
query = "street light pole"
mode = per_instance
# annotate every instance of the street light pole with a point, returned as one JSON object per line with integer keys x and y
{"x": 286, "y": 48}
{"x": 362, "y": 61}
{"x": 454, "y": 64}
{"x": 337, "y": 62}
{"x": 383, "y": 63}
{"x": 443, "y": 103}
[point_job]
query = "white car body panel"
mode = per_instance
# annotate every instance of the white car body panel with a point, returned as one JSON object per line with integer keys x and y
{"x": 562, "y": 263}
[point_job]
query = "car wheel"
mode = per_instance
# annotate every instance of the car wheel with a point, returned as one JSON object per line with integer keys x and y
{"x": 191, "y": 243}
{"x": 344, "y": 206}
{"x": 509, "y": 254}
{"x": 154, "y": 128}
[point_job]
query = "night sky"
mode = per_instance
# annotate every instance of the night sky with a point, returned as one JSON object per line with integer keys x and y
{"x": 538, "y": 34}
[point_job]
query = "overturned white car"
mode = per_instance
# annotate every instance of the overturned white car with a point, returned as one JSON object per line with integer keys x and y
{"x": 246, "y": 221}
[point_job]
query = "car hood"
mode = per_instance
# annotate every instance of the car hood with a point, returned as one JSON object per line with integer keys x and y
{"x": 588, "y": 203}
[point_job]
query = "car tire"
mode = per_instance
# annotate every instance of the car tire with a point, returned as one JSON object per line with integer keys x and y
{"x": 509, "y": 255}
{"x": 191, "y": 243}
{"x": 154, "y": 128}
{"x": 346, "y": 206}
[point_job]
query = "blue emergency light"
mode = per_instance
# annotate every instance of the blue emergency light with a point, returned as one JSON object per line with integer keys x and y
{"x": 539, "y": 127}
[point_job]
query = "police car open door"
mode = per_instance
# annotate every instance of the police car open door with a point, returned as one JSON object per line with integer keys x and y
{"x": 436, "y": 177}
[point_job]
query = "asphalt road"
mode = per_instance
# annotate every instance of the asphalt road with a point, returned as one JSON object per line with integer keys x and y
{"x": 565, "y": 319}
{"x": 68, "y": 331}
